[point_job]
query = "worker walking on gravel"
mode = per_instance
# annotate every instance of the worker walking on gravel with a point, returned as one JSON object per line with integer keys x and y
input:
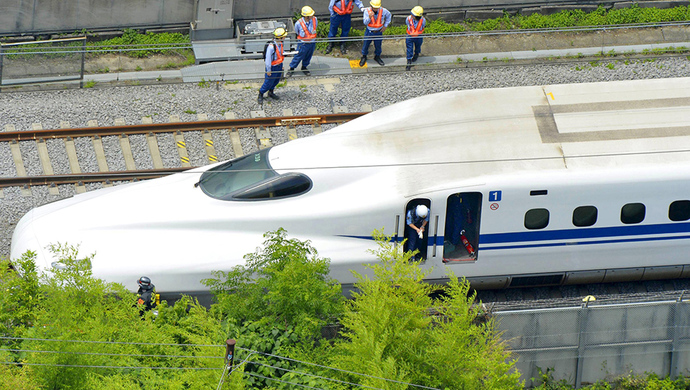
{"x": 415, "y": 27}
{"x": 306, "y": 33}
{"x": 341, "y": 16}
{"x": 377, "y": 19}
{"x": 274, "y": 65}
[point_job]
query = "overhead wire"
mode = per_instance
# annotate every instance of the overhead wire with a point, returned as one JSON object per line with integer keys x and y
{"x": 278, "y": 380}
{"x": 111, "y": 354}
{"x": 251, "y": 352}
{"x": 117, "y": 367}
{"x": 109, "y": 342}
{"x": 336, "y": 369}
{"x": 316, "y": 376}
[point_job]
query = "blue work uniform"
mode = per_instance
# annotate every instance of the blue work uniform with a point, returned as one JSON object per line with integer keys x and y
{"x": 413, "y": 240}
{"x": 307, "y": 42}
{"x": 344, "y": 20}
{"x": 413, "y": 42}
{"x": 273, "y": 64}
{"x": 374, "y": 30}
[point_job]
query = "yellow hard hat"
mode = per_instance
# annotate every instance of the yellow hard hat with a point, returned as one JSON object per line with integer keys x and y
{"x": 417, "y": 11}
{"x": 307, "y": 11}
{"x": 375, "y": 3}
{"x": 280, "y": 33}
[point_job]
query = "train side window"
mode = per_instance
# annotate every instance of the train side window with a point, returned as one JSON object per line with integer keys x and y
{"x": 585, "y": 216}
{"x": 679, "y": 210}
{"x": 536, "y": 219}
{"x": 633, "y": 213}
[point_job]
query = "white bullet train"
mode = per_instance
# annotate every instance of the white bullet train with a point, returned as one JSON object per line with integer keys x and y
{"x": 559, "y": 184}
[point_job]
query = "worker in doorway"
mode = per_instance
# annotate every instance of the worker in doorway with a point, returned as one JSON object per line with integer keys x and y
{"x": 416, "y": 220}
{"x": 274, "y": 65}
{"x": 147, "y": 294}
{"x": 377, "y": 19}
{"x": 415, "y": 27}
{"x": 306, "y": 34}
{"x": 341, "y": 16}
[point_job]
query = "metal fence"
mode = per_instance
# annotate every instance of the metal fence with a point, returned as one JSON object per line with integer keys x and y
{"x": 42, "y": 61}
{"x": 595, "y": 342}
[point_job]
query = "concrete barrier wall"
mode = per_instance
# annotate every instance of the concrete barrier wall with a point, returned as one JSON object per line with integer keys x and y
{"x": 46, "y": 16}
{"x": 584, "y": 345}
{"x": 32, "y": 16}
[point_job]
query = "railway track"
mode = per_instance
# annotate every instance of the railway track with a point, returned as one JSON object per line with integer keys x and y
{"x": 260, "y": 125}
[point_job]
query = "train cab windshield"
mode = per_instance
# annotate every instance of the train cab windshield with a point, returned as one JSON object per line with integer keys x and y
{"x": 251, "y": 177}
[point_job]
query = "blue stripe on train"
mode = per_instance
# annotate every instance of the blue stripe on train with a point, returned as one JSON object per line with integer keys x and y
{"x": 541, "y": 238}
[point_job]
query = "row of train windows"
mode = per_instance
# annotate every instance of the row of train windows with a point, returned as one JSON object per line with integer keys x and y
{"x": 583, "y": 216}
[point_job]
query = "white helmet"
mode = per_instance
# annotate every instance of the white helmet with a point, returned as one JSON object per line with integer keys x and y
{"x": 422, "y": 211}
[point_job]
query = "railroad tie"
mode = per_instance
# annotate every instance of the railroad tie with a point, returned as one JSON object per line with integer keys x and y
{"x": 236, "y": 143}
{"x": 234, "y": 136}
{"x": 182, "y": 149}
{"x": 16, "y": 154}
{"x": 263, "y": 136}
{"x": 71, "y": 150}
{"x": 152, "y": 141}
{"x": 208, "y": 141}
{"x": 45, "y": 158}
{"x": 98, "y": 149}
{"x": 210, "y": 149}
{"x": 316, "y": 127}
{"x": 127, "y": 152}
{"x": 291, "y": 130}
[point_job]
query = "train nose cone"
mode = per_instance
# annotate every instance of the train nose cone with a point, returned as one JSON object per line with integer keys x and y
{"x": 24, "y": 237}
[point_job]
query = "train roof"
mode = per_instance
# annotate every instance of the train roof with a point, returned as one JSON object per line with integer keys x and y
{"x": 466, "y": 135}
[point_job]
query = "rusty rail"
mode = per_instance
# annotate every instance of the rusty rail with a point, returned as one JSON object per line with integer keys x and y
{"x": 9, "y": 136}
{"x": 76, "y": 178}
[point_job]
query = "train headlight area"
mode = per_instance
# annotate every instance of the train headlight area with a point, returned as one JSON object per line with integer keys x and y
{"x": 512, "y": 187}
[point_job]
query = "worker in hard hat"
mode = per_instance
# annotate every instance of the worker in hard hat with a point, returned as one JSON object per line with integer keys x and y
{"x": 416, "y": 219}
{"x": 341, "y": 16}
{"x": 306, "y": 34}
{"x": 274, "y": 64}
{"x": 377, "y": 19}
{"x": 415, "y": 27}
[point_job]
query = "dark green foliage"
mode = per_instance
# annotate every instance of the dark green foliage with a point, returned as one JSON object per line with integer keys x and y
{"x": 149, "y": 43}
{"x": 277, "y": 304}
{"x": 568, "y": 18}
{"x": 285, "y": 283}
{"x": 80, "y": 332}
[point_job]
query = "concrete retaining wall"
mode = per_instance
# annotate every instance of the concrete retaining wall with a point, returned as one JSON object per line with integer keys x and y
{"x": 38, "y": 17}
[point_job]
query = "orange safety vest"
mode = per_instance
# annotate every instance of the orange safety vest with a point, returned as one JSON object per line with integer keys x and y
{"x": 309, "y": 34}
{"x": 414, "y": 31}
{"x": 279, "y": 55}
{"x": 376, "y": 23}
{"x": 345, "y": 10}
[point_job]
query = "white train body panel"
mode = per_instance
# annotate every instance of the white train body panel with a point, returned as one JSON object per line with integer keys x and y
{"x": 506, "y": 152}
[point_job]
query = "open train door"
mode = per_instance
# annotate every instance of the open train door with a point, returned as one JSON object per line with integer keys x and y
{"x": 411, "y": 237}
{"x": 461, "y": 233}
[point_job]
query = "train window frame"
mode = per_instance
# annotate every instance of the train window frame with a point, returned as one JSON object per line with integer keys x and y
{"x": 630, "y": 216}
{"x": 535, "y": 220}
{"x": 585, "y": 220}
{"x": 679, "y": 210}
{"x": 251, "y": 193}
{"x": 224, "y": 180}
